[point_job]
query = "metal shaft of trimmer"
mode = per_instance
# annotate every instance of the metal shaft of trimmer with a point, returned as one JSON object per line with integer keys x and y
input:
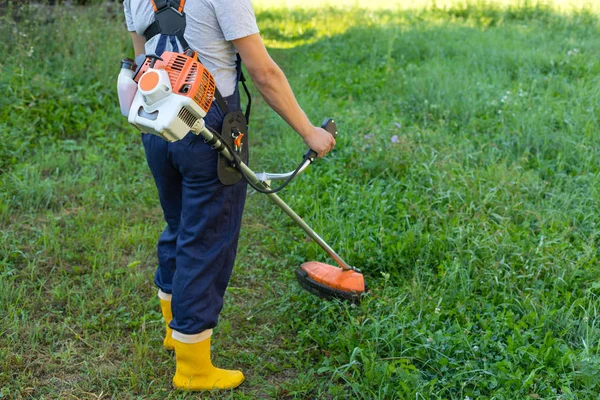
{"x": 210, "y": 138}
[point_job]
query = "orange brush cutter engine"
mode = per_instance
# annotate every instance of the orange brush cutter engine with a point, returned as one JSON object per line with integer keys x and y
{"x": 174, "y": 92}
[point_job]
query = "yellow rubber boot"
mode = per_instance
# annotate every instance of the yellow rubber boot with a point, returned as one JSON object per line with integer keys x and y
{"x": 165, "y": 306}
{"x": 195, "y": 370}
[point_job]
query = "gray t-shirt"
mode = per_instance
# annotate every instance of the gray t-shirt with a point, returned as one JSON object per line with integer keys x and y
{"x": 211, "y": 25}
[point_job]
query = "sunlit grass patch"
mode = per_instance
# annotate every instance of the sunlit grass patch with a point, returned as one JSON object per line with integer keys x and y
{"x": 403, "y": 5}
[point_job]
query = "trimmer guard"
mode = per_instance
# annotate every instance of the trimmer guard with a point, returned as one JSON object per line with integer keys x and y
{"x": 328, "y": 282}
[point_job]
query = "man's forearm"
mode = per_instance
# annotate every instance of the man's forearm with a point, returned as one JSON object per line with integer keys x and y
{"x": 139, "y": 43}
{"x": 275, "y": 89}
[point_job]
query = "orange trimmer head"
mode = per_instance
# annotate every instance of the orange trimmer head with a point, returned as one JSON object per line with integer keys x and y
{"x": 331, "y": 282}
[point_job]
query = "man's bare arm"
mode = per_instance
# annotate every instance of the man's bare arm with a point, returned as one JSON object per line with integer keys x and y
{"x": 271, "y": 82}
{"x": 139, "y": 43}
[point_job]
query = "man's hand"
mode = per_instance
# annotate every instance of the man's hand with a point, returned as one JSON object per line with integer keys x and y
{"x": 319, "y": 140}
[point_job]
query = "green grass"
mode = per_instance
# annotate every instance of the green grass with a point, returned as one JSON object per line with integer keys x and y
{"x": 464, "y": 185}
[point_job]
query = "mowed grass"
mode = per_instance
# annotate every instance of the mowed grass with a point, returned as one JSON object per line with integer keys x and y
{"x": 464, "y": 185}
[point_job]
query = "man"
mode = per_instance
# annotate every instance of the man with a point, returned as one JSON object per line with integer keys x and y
{"x": 196, "y": 251}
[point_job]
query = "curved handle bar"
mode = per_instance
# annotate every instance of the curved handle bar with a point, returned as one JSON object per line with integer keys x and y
{"x": 330, "y": 126}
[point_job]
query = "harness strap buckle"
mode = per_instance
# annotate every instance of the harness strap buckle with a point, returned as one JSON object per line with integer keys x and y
{"x": 171, "y": 21}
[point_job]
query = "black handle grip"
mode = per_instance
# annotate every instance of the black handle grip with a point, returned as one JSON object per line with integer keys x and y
{"x": 330, "y": 126}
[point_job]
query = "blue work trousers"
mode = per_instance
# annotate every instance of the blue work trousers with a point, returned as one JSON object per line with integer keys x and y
{"x": 197, "y": 249}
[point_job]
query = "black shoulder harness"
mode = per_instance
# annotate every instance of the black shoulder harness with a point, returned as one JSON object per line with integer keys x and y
{"x": 169, "y": 19}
